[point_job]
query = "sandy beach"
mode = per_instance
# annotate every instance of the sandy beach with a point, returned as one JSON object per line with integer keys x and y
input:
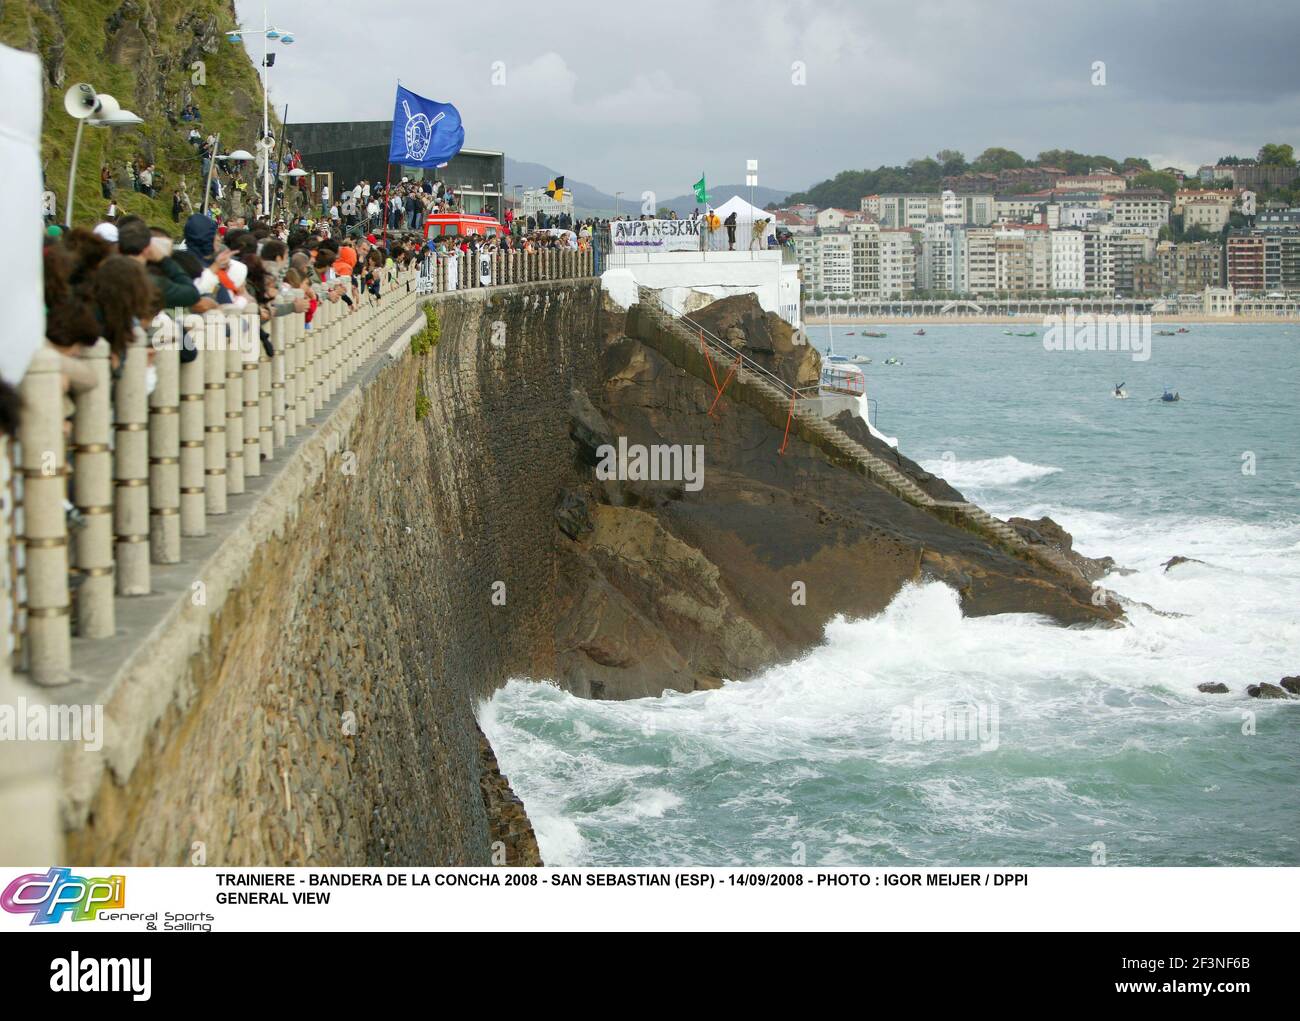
{"x": 1036, "y": 321}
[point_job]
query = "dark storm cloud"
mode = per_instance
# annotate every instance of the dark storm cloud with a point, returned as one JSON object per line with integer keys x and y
{"x": 637, "y": 97}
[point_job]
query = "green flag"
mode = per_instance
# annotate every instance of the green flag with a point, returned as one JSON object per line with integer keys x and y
{"x": 701, "y": 192}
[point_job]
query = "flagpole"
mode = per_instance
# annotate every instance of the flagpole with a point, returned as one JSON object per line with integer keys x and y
{"x": 388, "y": 177}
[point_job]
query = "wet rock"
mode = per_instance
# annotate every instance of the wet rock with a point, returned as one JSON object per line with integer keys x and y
{"x": 1213, "y": 688}
{"x": 587, "y": 427}
{"x": 1266, "y": 690}
{"x": 573, "y": 514}
{"x": 1173, "y": 562}
{"x": 1046, "y": 532}
{"x": 1291, "y": 684}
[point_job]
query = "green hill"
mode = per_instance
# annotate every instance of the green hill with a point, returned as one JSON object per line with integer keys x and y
{"x": 142, "y": 53}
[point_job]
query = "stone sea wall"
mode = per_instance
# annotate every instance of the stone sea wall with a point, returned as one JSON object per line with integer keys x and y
{"x": 328, "y": 717}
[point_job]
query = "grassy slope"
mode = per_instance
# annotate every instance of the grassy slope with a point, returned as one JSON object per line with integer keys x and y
{"x": 230, "y": 101}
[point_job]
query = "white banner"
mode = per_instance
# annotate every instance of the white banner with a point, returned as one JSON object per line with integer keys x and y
{"x": 655, "y": 235}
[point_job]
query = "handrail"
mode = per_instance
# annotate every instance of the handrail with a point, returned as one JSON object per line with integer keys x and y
{"x": 665, "y": 309}
{"x": 153, "y": 466}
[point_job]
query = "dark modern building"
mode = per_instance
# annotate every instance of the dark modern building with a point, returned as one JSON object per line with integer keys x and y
{"x": 353, "y": 151}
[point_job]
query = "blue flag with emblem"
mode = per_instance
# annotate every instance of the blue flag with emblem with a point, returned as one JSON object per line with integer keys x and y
{"x": 425, "y": 134}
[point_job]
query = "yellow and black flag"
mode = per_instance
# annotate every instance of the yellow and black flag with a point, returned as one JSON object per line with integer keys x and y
{"x": 555, "y": 189}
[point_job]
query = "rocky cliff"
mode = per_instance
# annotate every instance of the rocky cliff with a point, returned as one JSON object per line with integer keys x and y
{"x": 661, "y": 586}
{"x": 154, "y": 57}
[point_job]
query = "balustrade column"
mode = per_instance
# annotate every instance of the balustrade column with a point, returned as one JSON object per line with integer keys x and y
{"x": 214, "y": 411}
{"x": 165, "y": 448}
{"x": 271, "y": 428}
{"x": 236, "y": 339}
{"x": 333, "y": 357}
{"x": 295, "y": 385}
{"x": 282, "y": 393}
{"x": 45, "y": 530}
{"x": 311, "y": 363}
{"x": 131, "y": 470}
{"x": 93, "y": 495}
{"x": 253, "y": 357}
{"x": 194, "y": 519}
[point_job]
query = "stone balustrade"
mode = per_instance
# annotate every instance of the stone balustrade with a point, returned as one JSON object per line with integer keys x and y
{"x": 141, "y": 469}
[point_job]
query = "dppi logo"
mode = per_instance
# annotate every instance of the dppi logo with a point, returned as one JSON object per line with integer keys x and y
{"x": 47, "y": 898}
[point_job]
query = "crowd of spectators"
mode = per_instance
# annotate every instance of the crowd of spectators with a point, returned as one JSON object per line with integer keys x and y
{"x": 124, "y": 277}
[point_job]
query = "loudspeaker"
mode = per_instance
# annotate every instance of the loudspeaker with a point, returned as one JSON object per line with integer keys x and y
{"x": 80, "y": 101}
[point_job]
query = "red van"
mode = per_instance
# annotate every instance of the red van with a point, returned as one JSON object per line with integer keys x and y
{"x": 437, "y": 225}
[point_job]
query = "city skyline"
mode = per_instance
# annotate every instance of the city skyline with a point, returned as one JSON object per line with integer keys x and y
{"x": 589, "y": 90}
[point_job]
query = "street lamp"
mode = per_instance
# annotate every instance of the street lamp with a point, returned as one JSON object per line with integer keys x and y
{"x": 266, "y": 143}
{"x": 238, "y": 156}
{"x": 99, "y": 110}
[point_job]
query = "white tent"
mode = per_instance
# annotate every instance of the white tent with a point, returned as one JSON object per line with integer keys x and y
{"x": 747, "y": 214}
{"x": 20, "y": 209}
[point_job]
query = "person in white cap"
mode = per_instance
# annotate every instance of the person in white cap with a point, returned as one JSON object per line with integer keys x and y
{"x": 106, "y": 232}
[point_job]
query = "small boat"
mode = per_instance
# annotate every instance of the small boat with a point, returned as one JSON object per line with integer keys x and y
{"x": 862, "y": 359}
{"x": 893, "y": 361}
{"x": 850, "y": 334}
{"x": 919, "y": 333}
{"x": 870, "y": 333}
{"x": 1164, "y": 333}
{"x": 1119, "y": 393}
{"x": 1182, "y": 329}
{"x": 1168, "y": 397}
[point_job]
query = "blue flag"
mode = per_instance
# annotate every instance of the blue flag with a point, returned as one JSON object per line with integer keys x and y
{"x": 425, "y": 134}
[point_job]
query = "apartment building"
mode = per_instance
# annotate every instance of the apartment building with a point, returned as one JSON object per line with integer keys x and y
{"x": 910, "y": 211}
{"x": 1018, "y": 208}
{"x": 1209, "y": 214}
{"x": 1128, "y": 251}
{"x": 934, "y": 271}
{"x": 979, "y": 264}
{"x": 837, "y": 264}
{"x": 897, "y": 262}
{"x": 1067, "y": 260}
{"x": 1184, "y": 268}
{"x": 1106, "y": 184}
{"x": 1185, "y": 195}
{"x": 835, "y": 219}
{"x": 1074, "y": 212}
{"x": 1140, "y": 208}
{"x": 1245, "y": 262}
{"x": 865, "y": 238}
{"x": 1098, "y": 262}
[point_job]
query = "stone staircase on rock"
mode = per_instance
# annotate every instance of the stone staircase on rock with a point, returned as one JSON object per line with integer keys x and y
{"x": 831, "y": 439}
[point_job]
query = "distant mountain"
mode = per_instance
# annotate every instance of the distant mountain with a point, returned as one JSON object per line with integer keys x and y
{"x": 590, "y": 201}
{"x": 587, "y": 200}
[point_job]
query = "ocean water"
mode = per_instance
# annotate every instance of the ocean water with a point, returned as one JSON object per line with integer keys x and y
{"x": 919, "y": 737}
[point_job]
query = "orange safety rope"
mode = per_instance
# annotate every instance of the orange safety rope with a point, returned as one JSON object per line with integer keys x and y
{"x": 705, "y": 351}
{"x": 735, "y": 365}
{"x": 788, "y": 419}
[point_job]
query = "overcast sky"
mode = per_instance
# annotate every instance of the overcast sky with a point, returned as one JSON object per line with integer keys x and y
{"x": 645, "y": 96}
